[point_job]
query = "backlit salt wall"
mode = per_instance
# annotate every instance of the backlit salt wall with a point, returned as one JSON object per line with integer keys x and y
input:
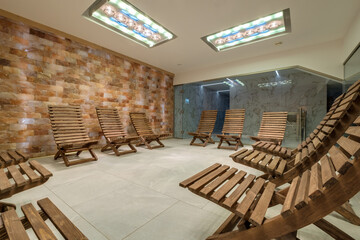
{"x": 38, "y": 68}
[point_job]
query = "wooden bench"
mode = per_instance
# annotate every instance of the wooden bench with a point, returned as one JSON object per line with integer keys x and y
{"x": 205, "y": 128}
{"x": 22, "y": 176}
{"x": 113, "y": 131}
{"x": 232, "y": 129}
{"x": 287, "y": 153}
{"x": 14, "y": 227}
{"x": 319, "y": 190}
{"x": 272, "y": 128}
{"x": 69, "y": 133}
{"x": 144, "y": 131}
{"x": 12, "y": 157}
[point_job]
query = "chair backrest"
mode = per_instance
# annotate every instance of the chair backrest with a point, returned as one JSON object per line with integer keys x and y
{"x": 207, "y": 121}
{"x": 339, "y": 166}
{"x": 273, "y": 125}
{"x": 67, "y": 124}
{"x": 234, "y": 121}
{"x": 110, "y": 122}
{"x": 344, "y": 115}
{"x": 141, "y": 124}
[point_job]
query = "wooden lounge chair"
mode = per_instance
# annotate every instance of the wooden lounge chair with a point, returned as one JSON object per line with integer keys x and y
{"x": 12, "y": 157}
{"x": 69, "y": 133}
{"x": 336, "y": 136}
{"x": 205, "y": 128}
{"x": 272, "y": 128}
{"x": 113, "y": 131}
{"x": 318, "y": 191}
{"x": 14, "y": 228}
{"x": 22, "y": 176}
{"x": 232, "y": 129}
{"x": 285, "y": 152}
{"x": 144, "y": 131}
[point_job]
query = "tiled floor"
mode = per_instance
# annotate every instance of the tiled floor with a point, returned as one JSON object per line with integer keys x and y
{"x": 137, "y": 196}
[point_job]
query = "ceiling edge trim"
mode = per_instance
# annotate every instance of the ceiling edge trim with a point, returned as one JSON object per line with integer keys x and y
{"x": 77, "y": 39}
{"x": 271, "y": 70}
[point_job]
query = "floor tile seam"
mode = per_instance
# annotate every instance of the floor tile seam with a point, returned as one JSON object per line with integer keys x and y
{"x": 150, "y": 220}
{"x": 82, "y": 217}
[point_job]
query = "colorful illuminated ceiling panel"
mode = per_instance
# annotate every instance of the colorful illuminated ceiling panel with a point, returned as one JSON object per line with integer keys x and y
{"x": 125, "y": 19}
{"x": 270, "y": 26}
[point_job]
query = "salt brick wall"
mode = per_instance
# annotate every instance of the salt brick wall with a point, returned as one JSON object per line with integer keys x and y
{"x": 38, "y": 69}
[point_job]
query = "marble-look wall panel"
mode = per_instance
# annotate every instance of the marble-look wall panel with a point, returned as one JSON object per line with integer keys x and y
{"x": 178, "y": 111}
{"x": 305, "y": 90}
{"x": 38, "y": 68}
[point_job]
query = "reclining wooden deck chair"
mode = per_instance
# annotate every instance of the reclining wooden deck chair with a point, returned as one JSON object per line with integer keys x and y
{"x": 272, "y": 128}
{"x": 14, "y": 228}
{"x": 314, "y": 194}
{"x": 69, "y": 133}
{"x": 113, "y": 131}
{"x": 232, "y": 129}
{"x": 144, "y": 131}
{"x": 279, "y": 171}
{"x": 205, "y": 128}
{"x": 22, "y": 176}
{"x": 285, "y": 152}
{"x": 12, "y": 157}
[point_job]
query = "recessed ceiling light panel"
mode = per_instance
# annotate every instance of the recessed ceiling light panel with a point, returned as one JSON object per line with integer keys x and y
{"x": 269, "y": 26}
{"x": 125, "y": 19}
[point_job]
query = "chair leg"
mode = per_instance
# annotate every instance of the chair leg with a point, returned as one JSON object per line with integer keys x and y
{"x": 347, "y": 212}
{"x": 221, "y": 141}
{"x": 205, "y": 142}
{"x": 332, "y": 230}
{"x": 66, "y": 160}
{"x": 160, "y": 143}
{"x": 93, "y": 155}
{"x": 106, "y": 147}
{"x": 193, "y": 140}
{"x": 78, "y": 153}
{"x": 57, "y": 155}
{"x": 211, "y": 140}
{"x": 132, "y": 147}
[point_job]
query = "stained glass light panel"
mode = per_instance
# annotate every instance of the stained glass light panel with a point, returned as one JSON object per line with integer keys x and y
{"x": 269, "y": 26}
{"x": 127, "y": 20}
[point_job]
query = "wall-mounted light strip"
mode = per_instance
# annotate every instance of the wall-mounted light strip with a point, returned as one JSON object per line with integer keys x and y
{"x": 274, "y": 84}
{"x": 211, "y": 84}
{"x": 223, "y": 91}
{"x": 262, "y": 28}
{"x": 125, "y": 19}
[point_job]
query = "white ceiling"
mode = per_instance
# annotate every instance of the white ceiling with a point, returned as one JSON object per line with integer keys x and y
{"x": 313, "y": 22}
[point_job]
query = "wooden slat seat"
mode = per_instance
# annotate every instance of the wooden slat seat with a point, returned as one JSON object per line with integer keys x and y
{"x": 11, "y": 157}
{"x": 70, "y": 133}
{"x": 14, "y": 227}
{"x": 205, "y": 128}
{"x": 114, "y": 132}
{"x": 144, "y": 131}
{"x": 332, "y": 180}
{"x": 26, "y": 175}
{"x": 272, "y": 128}
{"x": 232, "y": 129}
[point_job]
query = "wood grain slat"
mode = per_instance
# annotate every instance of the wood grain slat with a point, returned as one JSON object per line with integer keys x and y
{"x": 14, "y": 228}
{"x": 258, "y": 215}
{"x": 226, "y": 188}
{"x": 61, "y": 222}
{"x": 245, "y": 204}
{"x": 37, "y": 223}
